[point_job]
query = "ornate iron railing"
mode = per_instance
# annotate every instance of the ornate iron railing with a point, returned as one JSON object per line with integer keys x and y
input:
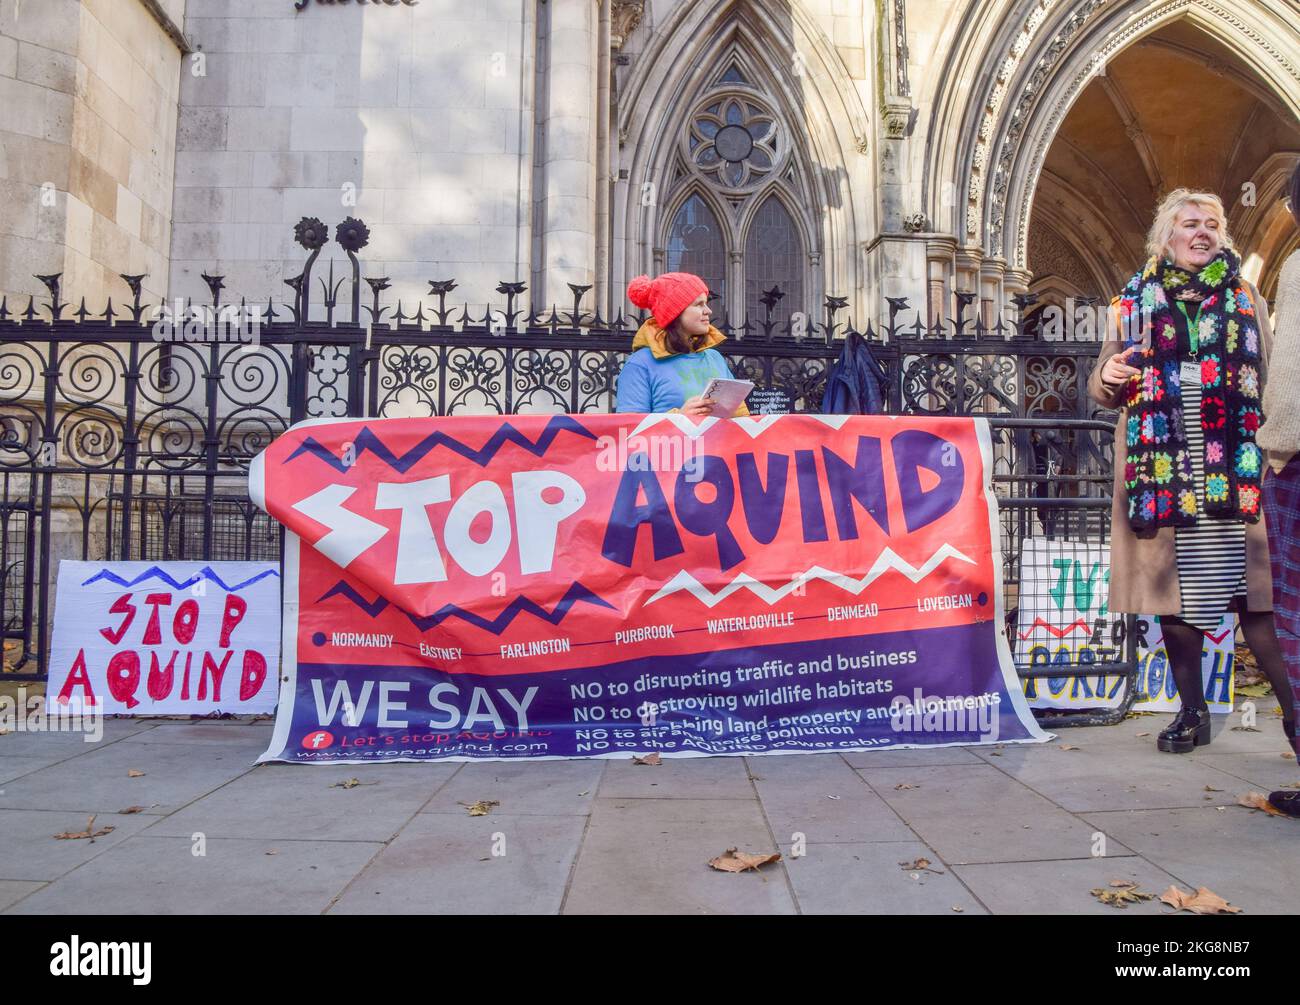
{"x": 122, "y": 438}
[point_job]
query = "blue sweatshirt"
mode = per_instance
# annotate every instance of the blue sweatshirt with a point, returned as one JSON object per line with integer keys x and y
{"x": 655, "y": 379}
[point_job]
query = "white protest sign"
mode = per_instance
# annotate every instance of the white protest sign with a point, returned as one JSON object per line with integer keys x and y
{"x": 1064, "y": 620}
{"x": 167, "y": 638}
{"x": 1155, "y": 683}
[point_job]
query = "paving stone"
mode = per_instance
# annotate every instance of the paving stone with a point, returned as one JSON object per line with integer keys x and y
{"x": 679, "y": 778}
{"x": 1245, "y": 856}
{"x": 1262, "y": 771}
{"x": 649, "y": 831}
{"x": 45, "y": 743}
{"x": 1101, "y": 778}
{"x": 207, "y": 733}
{"x": 975, "y": 813}
{"x": 650, "y": 856}
{"x": 98, "y": 782}
{"x": 908, "y": 757}
{"x": 306, "y": 801}
{"x": 522, "y": 787}
{"x": 161, "y": 875}
{"x": 1127, "y": 733}
{"x": 859, "y": 878}
{"x": 1063, "y": 887}
{"x": 12, "y": 891}
{"x": 16, "y": 767}
{"x": 1124, "y": 731}
{"x": 29, "y": 850}
{"x": 824, "y": 799}
{"x": 1226, "y": 739}
{"x": 444, "y": 864}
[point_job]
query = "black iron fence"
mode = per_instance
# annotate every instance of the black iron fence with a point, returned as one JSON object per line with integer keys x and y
{"x": 126, "y": 434}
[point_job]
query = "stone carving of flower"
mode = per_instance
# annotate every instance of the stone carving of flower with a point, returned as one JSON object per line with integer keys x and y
{"x": 734, "y": 139}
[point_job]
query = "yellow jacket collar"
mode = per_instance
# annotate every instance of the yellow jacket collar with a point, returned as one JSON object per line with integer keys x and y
{"x": 651, "y": 336}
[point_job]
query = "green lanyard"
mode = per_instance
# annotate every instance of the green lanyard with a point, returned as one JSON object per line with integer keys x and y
{"x": 1193, "y": 327}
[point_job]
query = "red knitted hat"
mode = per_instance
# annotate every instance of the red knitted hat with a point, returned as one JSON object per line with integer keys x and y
{"x": 666, "y": 296}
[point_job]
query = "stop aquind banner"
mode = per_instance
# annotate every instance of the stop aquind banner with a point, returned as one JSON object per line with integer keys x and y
{"x": 497, "y": 587}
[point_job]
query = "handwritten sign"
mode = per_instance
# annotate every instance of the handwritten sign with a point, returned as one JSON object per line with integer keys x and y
{"x": 1064, "y": 620}
{"x": 143, "y": 638}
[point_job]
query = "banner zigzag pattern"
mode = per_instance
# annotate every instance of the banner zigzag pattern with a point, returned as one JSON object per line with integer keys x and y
{"x": 158, "y": 573}
{"x": 887, "y": 561}
{"x": 575, "y": 593}
{"x": 368, "y": 441}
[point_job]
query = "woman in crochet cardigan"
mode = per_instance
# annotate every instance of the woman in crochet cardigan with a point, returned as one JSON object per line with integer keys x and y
{"x": 1186, "y": 364}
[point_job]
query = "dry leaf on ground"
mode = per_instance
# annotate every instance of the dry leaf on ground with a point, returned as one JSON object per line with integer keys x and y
{"x": 1122, "y": 892}
{"x": 1203, "y": 901}
{"x": 131, "y": 809}
{"x": 1254, "y": 690}
{"x": 1140, "y": 735}
{"x": 349, "y": 783}
{"x": 1067, "y": 746}
{"x": 651, "y": 759}
{"x": 903, "y": 785}
{"x": 920, "y": 865}
{"x": 482, "y": 807}
{"x": 732, "y": 860}
{"x": 132, "y": 773}
{"x": 1211, "y": 788}
{"x": 959, "y": 910}
{"x": 89, "y": 832}
{"x": 1246, "y": 729}
{"x": 1259, "y": 801}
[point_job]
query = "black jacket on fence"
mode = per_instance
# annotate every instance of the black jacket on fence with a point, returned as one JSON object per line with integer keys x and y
{"x": 857, "y": 382}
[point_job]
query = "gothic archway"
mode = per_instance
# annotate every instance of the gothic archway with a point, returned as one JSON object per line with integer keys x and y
{"x": 755, "y": 61}
{"x": 1006, "y": 92}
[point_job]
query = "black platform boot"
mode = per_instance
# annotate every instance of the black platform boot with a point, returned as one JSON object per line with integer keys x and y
{"x": 1190, "y": 728}
{"x": 1287, "y": 800}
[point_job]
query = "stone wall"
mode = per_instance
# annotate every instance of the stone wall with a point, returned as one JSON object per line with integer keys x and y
{"x": 88, "y": 97}
{"x": 414, "y": 118}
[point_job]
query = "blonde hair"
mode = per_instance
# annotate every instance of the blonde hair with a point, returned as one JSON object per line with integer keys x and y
{"x": 1162, "y": 230}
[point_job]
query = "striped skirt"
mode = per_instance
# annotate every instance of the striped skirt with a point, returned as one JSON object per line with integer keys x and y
{"x": 1211, "y": 555}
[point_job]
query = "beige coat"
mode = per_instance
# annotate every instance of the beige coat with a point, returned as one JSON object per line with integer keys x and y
{"x": 1144, "y": 568}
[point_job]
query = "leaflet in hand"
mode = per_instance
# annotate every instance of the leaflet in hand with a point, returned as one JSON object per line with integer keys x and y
{"x": 727, "y": 395}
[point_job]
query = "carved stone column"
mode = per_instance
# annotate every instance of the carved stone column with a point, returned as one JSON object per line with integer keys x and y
{"x": 567, "y": 211}
{"x": 940, "y": 258}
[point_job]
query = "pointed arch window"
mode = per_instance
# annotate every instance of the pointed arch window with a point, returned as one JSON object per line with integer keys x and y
{"x": 774, "y": 255}
{"x": 696, "y": 244}
{"x": 745, "y": 220}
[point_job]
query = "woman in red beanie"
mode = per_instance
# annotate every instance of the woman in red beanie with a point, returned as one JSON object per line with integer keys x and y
{"x": 673, "y": 355}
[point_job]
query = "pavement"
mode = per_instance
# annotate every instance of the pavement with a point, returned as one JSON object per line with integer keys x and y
{"x": 1007, "y": 829}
